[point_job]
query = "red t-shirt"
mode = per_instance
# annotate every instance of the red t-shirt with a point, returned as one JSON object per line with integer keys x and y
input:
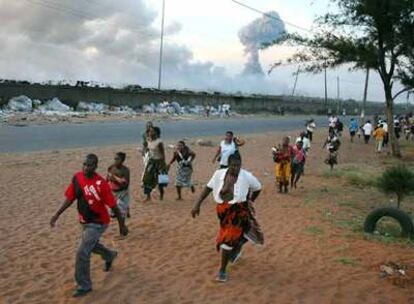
{"x": 97, "y": 193}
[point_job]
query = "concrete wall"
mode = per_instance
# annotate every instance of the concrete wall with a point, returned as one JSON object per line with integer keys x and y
{"x": 71, "y": 95}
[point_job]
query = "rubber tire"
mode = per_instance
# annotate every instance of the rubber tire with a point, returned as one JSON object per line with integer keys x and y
{"x": 400, "y": 216}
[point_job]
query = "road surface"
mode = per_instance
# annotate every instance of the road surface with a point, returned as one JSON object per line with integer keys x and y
{"x": 64, "y": 136}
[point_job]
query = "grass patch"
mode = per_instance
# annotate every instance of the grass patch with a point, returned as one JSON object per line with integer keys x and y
{"x": 332, "y": 173}
{"x": 348, "y": 203}
{"x": 361, "y": 180}
{"x": 388, "y": 227}
{"x": 389, "y": 239}
{"x": 314, "y": 230}
{"x": 354, "y": 176}
{"x": 346, "y": 260}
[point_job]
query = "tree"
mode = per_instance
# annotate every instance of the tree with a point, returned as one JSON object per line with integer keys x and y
{"x": 397, "y": 180}
{"x": 368, "y": 34}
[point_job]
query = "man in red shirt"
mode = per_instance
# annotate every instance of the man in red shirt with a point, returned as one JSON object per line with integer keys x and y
{"x": 93, "y": 196}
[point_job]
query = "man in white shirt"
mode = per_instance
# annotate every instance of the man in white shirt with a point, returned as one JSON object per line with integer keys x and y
{"x": 310, "y": 128}
{"x": 367, "y": 129}
{"x": 234, "y": 191}
{"x": 305, "y": 142}
{"x": 385, "y": 128}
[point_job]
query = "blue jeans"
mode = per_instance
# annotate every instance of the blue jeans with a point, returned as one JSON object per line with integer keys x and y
{"x": 90, "y": 243}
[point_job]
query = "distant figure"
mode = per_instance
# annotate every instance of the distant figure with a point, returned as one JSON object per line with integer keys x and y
{"x": 226, "y": 110}
{"x": 385, "y": 128}
{"x": 332, "y": 144}
{"x": 353, "y": 128}
{"x": 332, "y": 121}
{"x": 379, "y": 135}
{"x": 306, "y": 145}
{"x": 230, "y": 145}
{"x": 282, "y": 156}
{"x": 208, "y": 109}
{"x": 310, "y": 128}
{"x": 397, "y": 128}
{"x": 298, "y": 163}
{"x": 118, "y": 178}
{"x": 145, "y": 136}
{"x": 155, "y": 165}
{"x": 93, "y": 196}
{"x": 234, "y": 190}
{"x": 339, "y": 127}
{"x": 367, "y": 131}
{"x": 184, "y": 158}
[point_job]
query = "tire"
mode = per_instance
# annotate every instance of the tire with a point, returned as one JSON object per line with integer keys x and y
{"x": 400, "y": 216}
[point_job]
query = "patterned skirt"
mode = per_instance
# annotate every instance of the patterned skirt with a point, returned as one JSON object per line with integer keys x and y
{"x": 122, "y": 200}
{"x": 153, "y": 168}
{"x": 183, "y": 176}
{"x": 237, "y": 224}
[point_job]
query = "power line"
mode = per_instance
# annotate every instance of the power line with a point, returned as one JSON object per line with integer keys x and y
{"x": 271, "y": 16}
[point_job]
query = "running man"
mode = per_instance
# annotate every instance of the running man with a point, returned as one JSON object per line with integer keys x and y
{"x": 234, "y": 191}
{"x": 93, "y": 196}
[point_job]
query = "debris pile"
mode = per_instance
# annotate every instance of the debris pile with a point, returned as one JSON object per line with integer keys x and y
{"x": 22, "y": 109}
{"x": 399, "y": 274}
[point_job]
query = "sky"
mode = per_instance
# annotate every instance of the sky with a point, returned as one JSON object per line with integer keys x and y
{"x": 117, "y": 42}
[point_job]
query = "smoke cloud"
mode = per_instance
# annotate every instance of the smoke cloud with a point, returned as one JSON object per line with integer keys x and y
{"x": 114, "y": 42}
{"x": 262, "y": 30}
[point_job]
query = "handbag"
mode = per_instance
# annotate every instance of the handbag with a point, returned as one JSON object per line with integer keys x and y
{"x": 163, "y": 178}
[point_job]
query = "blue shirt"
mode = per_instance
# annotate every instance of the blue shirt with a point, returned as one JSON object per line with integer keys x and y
{"x": 354, "y": 126}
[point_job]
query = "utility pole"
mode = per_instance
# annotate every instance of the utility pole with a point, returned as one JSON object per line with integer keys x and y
{"x": 326, "y": 92}
{"x": 296, "y": 81}
{"x": 338, "y": 95}
{"x": 364, "y": 100}
{"x": 161, "y": 45}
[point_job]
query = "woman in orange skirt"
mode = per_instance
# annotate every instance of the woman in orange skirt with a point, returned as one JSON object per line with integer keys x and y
{"x": 234, "y": 191}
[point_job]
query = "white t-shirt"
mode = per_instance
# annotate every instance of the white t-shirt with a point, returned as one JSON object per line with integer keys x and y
{"x": 367, "y": 129}
{"x": 225, "y": 151}
{"x": 306, "y": 143}
{"x": 332, "y": 121}
{"x": 385, "y": 126}
{"x": 311, "y": 127}
{"x": 246, "y": 182}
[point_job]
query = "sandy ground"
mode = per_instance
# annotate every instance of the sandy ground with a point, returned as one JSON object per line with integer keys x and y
{"x": 170, "y": 258}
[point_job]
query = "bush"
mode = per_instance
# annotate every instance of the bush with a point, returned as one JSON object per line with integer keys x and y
{"x": 397, "y": 180}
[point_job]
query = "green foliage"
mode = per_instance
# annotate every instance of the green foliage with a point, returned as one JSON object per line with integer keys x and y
{"x": 365, "y": 34}
{"x": 354, "y": 176}
{"x": 375, "y": 34}
{"x": 397, "y": 180}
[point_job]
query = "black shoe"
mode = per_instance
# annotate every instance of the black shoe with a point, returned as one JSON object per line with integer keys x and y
{"x": 108, "y": 264}
{"x": 81, "y": 292}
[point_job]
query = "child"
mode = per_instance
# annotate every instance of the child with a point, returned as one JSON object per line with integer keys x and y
{"x": 298, "y": 163}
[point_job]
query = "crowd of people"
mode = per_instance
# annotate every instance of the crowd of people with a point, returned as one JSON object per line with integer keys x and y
{"x": 234, "y": 189}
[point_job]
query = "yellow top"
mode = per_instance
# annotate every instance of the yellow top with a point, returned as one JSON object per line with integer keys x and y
{"x": 379, "y": 133}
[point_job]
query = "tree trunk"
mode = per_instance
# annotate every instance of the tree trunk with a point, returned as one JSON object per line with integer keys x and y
{"x": 389, "y": 105}
{"x": 399, "y": 199}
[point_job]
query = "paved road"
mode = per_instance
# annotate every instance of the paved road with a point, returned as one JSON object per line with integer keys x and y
{"x": 63, "y": 136}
